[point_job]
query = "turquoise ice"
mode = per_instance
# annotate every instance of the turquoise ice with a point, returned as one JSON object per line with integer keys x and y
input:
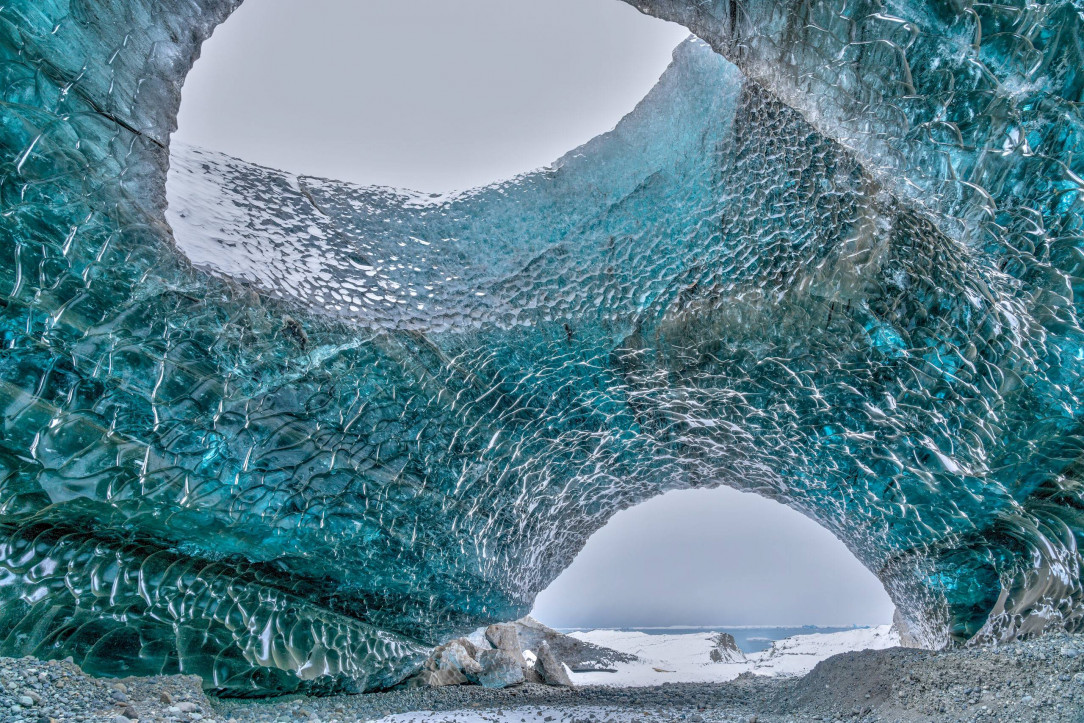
{"x": 288, "y": 433}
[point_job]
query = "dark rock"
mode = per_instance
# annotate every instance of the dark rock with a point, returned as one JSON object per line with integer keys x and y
{"x": 530, "y": 675}
{"x": 550, "y": 668}
{"x": 726, "y": 649}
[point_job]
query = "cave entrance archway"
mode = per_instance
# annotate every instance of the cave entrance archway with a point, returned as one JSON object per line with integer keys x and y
{"x": 703, "y": 558}
{"x": 662, "y": 580}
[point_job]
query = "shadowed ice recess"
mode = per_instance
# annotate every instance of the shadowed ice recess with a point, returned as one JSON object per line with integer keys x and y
{"x": 291, "y": 432}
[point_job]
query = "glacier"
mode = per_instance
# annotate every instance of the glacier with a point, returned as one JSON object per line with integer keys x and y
{"x": 287, "y": 433}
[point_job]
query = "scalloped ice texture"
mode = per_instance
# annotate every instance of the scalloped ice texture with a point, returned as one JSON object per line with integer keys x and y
{"x": 367, "y": 420}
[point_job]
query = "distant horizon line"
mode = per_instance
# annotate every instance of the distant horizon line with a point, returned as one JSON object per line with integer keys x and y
{"x": 730, "y": 627}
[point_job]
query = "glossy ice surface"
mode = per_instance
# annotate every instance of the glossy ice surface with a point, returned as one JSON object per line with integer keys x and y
{"x": 289, "y": 432}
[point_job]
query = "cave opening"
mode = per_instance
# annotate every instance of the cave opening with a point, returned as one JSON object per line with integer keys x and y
{"x": 663, "y": 578}
{"x": 412, "y": 94}
{"x": 708, "y": 557}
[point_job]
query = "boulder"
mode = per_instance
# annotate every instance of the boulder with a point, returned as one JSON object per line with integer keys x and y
{"x": 448, "y": 664}
{"x": 549, "y": 668}
{"x": 499, "y": 670}
{"x": 530, "y": 675}
{"x": 461, "y": 661}
{"x": 578, "y": 655}
{"x": 460, "y": 654}
{"x": 726, "y": 649}
{"x": 503, "y": 637}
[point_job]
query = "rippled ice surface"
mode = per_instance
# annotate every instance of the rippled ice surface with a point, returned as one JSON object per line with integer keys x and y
{"x": 845, "y": 273}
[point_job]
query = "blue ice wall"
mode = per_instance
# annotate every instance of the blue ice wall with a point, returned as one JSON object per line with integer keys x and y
{"x": 289, "y": 432}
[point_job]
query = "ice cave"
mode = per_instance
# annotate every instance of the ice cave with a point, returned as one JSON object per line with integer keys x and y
{"x": 832, "y": 258}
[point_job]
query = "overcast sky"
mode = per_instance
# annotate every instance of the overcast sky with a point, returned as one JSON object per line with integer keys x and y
{"x": 433, "y": 95}
{"x": 713, "y": 557}
{"x": 443, "y": 94}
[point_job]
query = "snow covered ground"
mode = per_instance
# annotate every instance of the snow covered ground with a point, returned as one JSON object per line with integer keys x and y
{"x": 685, "y": 657}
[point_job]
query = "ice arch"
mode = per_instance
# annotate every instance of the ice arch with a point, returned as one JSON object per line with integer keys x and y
{"x": 296, "y": 473}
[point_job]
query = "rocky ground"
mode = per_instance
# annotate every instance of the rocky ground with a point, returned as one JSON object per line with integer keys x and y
{"x": 1040, "y": 680}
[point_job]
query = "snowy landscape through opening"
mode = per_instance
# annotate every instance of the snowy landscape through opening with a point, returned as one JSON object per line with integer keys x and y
{"x": 702, "y": 585}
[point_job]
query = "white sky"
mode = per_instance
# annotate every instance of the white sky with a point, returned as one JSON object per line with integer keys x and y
{"x": 433, "y": 95}
{"x": 437, "y": 95}
{"x": 713, "y": 557}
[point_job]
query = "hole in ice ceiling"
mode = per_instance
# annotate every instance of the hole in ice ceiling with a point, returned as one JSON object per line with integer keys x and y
{"x": 711, "y": 558}
{"x": 429, "y": 95}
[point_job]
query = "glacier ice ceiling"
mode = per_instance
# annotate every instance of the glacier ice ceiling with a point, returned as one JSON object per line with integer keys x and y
{"x": 290, "y": 432}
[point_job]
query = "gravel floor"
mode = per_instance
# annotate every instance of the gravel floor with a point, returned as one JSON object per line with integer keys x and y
{"x": 1040, "y": 680}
